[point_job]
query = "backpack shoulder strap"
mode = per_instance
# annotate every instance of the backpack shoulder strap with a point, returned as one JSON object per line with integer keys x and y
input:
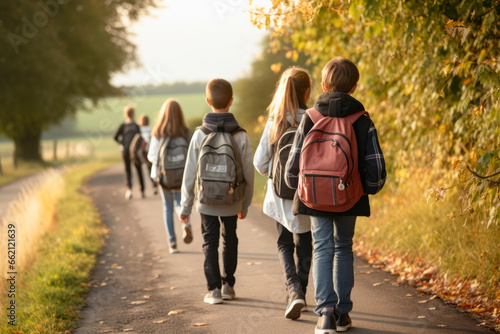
{"x": 238, "y": 129}
{"x": 162, "y": 149}
{"x": 354, "y": 117}
{"x": 314, "y": 115}
{"x": 204, "y": 129}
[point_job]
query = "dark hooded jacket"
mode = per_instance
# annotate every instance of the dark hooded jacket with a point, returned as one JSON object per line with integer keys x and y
{"x": 371, "y": 164}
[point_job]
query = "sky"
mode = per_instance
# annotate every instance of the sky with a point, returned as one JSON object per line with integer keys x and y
{"x": 194, "y": 40}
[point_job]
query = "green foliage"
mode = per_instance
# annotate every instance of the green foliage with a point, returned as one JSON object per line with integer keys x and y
{"x": 254, "y": 92}
{"x": 53, "y": 54}
{"x": 430, "y": 76}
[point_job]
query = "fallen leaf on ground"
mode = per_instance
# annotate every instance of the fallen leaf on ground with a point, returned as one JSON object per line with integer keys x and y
{"x": 442, "y": 325}
{"x": 159, "y": 321}
{"x": 147, "y": 289}
{"x": 432, "y": 308}
{"x": 366, "y": 272}
{"x": 104, "y": 284}
{"x": 175, "y": 312}
{"x": 377, "y": 284}
{"x": 202, "y": 324}
{"x": 123, "y": 298}
{"x": 138, "y": 302}
{"x": 173, "y": 287}
{"x": 422, "y": 301}
{"x": 478, "y": 310}
{"x": 128, "y": 330}
{"x": 409, "y": 295}
{"x": 421, "y": 316}
{"x": 147, "y": 297}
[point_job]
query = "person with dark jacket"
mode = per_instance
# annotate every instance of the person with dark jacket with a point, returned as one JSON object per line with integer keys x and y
{"x": 123, "y": 136}
{"x": 333, "y": 231}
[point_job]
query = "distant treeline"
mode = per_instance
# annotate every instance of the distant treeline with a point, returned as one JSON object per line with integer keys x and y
{"x": 172, "y": 88}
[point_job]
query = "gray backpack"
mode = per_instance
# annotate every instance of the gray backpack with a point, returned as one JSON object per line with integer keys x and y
{"x": 219, "y": 179}
{"x": 171, "y": 162}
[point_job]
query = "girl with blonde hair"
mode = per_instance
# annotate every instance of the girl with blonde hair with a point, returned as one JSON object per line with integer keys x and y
{"x": 287, "y": 109}
{"x": 170, "y": 124}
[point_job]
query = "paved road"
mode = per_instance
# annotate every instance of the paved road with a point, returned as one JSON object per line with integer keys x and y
{"x": 137, "y": 282}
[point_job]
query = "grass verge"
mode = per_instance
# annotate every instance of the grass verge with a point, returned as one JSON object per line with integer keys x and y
{"x": 50, "y": 292}
{"x": 455, "y": 258}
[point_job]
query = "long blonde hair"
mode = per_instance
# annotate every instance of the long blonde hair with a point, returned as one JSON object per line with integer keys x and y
{"x": 292, "y": 91}
{"x": 170, "y": 122}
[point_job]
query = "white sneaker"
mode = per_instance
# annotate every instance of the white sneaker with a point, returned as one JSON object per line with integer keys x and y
{"x": 128, "y": 194}
{"x": 228, "y": 292}
{"x": 213, "y": 297}
{"x": 187, "y": 233}
{"x": 173, "y": 249}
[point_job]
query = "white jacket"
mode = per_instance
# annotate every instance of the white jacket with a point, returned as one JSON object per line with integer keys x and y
{"x": 154, "y": 146}
{"x": 275, "y": 207}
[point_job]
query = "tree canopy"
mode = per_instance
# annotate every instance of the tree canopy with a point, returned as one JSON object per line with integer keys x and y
{"x": 53, "y": 55}
{"x": 429, "y": 75}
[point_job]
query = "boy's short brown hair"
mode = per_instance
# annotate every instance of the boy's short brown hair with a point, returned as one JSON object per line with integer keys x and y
{"x": 219, "y": 93}
{"x": 340, "y": 75}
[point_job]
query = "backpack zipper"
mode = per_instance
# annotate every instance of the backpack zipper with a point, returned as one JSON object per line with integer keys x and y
{"x": 349, "y": 170}
{"x": 333, "y": 177}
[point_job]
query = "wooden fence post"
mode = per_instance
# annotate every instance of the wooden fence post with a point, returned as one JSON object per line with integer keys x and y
{"x": 55, "y": 150}
{"x": 67, "y": 150}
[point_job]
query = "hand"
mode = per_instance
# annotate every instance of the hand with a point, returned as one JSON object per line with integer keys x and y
{"x": 184, "y": 218}
{"x": 241, "y": 215}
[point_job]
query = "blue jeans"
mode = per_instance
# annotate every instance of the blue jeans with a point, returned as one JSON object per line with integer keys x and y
{"x": 168, "y": 198}
{"x": 333, "y": 242}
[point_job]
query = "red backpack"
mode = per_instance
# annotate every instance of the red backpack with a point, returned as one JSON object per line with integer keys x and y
{"x": 329, "y": 178}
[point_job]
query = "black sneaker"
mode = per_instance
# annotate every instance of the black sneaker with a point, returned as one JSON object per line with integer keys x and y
{"x": 296, "y": 302}
{"x": 326, "y": 324}
{"x": 343, "y": 322}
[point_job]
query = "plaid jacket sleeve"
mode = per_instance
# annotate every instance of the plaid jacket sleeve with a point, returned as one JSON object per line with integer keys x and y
{"x": 375, "y": 176}
{"x": 292, "y": 164}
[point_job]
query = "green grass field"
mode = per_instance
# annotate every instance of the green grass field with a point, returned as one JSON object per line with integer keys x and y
{"x": 92, "y": 129}
{"x": 107, "y": 115}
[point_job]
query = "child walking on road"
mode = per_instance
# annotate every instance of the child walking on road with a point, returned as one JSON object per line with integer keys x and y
{"x": 333, "y": 231}
{"x": 123, "y": 136}
{"x": 219, "y": 175}
{"x": 294, "y": 237}
{"x": 170, "y": 124}
{"x": 146, "y": 129}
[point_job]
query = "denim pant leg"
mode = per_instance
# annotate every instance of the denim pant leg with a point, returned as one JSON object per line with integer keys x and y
{"x": 168, "y": 198}
{"x": 303, "y": 249}
{"x": 322, "y": 233}
{"x": 230, "y": 250}
{"x": 344, "y": 262}
{"x": 286, "y": 249}
{"x": 210, "y": 229}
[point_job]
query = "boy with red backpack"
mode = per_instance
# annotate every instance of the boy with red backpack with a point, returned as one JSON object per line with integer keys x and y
{"x": 334, "y": 163}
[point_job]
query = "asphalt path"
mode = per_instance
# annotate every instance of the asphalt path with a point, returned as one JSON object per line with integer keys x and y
{"x": 137, "y": 282}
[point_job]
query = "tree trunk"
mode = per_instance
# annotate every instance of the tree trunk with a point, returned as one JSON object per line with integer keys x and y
{"x": 27, "y": 147}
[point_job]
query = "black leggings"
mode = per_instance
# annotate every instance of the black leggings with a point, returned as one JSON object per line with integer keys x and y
{"x": 128, "y": 171}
